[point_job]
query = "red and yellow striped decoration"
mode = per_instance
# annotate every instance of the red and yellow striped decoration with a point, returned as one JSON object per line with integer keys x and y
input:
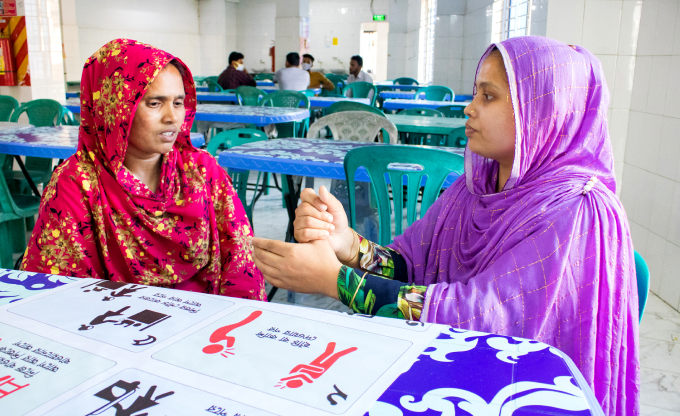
{"x": 17, "y": 27}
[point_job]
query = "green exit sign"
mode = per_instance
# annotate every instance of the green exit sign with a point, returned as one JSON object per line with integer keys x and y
{"x": 379, "y": 17}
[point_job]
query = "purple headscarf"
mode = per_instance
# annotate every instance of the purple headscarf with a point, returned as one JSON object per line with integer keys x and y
{"x": 541, "y": 259}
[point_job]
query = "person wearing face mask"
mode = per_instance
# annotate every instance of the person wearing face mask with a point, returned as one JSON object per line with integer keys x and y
{"x": 138, "y": 203}
{"x": 291, "y": 77}
{"x": 316, "y": 79}
{"x": 236, "y": 74}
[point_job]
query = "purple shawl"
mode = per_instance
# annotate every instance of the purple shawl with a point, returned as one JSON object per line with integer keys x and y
{"x": 541, "y": 259}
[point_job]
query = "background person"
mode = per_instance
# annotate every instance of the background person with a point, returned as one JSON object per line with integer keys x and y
{"x": 292, "y": 77}
{"x": 236, "y": 74}
{"x": 355, "y": 72}
{"x": 316, "y": 79}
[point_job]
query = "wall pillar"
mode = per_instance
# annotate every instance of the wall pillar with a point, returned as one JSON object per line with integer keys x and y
{"x": 291, "y": 18}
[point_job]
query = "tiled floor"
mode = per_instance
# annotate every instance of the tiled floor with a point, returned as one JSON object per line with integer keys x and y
{"x": 659, "y": 330}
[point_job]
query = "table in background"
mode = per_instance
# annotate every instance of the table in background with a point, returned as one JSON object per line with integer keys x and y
{"x": 265, "y": 89}
{"x": 486, "y": 373}
{"x": 403, "y": 104}
{"x": 426, "y": 125}
{"x": 400, "y": 87}
{"x": 318, "y": 102}
{"x": 407, "y": 95}
{"x": 72, "y": 95}
{"x": 265, "y": 84}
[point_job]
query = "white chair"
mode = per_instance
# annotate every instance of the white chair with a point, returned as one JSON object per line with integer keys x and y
{"x": 354, "y": 126}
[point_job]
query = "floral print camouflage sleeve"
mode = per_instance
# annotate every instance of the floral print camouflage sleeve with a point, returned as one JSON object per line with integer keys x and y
{"x": 379, "y": 287}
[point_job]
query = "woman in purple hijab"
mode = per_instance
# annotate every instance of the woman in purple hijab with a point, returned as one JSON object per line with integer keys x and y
{"x": 530, "y": 242}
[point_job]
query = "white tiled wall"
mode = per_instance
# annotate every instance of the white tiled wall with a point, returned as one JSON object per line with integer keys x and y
{"x": 45, "y": 57}
{"x": 651, "y": 175}
{"x": 255, "y": 25}
{"x": 217, "y": 29}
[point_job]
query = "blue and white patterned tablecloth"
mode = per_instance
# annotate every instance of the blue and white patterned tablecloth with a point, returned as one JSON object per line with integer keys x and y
{"x": 318, "y": 158}
{"x": 403, "y": 104}
{"x": 57, "y": 142}
{"x": 317, "y": 102}
{"x": 460, "y": 373}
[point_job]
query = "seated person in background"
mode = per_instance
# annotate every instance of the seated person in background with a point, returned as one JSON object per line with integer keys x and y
{"x": 355, "y": 72}
{"x": 291, "y": 77}
{"x": 236, "y": 74}
{"x": 138, "y": 203}
{"x": 316, "y": 79}
{"x": 531, "y": 241}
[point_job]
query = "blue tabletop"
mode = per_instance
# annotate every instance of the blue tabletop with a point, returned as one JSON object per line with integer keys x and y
{"x": 460, "y": 373}
{"x": 266, "y": 89}
{"x": 406, "y": 95}
{"x": 403, "y": 104}
{"x": 400, "y": 87}
{"x": 319, "y": 102}
{"x": 71, "y": 95}
{"x": 58, "y": 142}
{"x": 265, "y": 83}
{"x": 318, "y": 158}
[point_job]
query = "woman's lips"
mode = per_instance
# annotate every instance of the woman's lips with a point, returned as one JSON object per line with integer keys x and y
{"x": 469, "y": 131}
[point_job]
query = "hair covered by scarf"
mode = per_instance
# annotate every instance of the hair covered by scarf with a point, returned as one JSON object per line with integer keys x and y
{"x": 542, "y": 259}
{"x": 97, "y": 220}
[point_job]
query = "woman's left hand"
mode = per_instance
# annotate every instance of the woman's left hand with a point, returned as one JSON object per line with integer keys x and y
{"x": 304, "y": 268}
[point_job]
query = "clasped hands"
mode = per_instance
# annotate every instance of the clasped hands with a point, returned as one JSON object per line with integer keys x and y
{"x": 325, "y": 242}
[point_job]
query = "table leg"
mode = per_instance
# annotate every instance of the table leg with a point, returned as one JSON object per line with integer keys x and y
{"x": 28, "y": 177}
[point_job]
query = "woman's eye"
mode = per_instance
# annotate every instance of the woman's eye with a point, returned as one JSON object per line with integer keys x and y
{"x": 488, "y": 97}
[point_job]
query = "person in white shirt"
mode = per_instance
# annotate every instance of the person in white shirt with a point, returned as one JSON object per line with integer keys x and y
{"x": 356, "y": 74}
{"x": 292, "y": 77}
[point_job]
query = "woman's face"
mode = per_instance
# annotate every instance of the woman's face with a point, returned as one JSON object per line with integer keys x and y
{"x": 491, "y": 125}
{"x": 159, "y": 116}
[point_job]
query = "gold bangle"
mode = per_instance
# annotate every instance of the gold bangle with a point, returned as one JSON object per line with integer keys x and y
{"x": 357, "y": 253}
{"x": 357, "y": 291}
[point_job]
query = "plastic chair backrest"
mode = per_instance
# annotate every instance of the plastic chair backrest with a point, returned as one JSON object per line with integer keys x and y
{"x": 41, "y": 113}
{"x": 457, "y": 138}
{"x": 7, "y": 106}
{"x": 435, "y": 93}
{"x": 67, "y": 118}
{"x": 249, "y": 95}
{"x": 233, "y": 138}
{"x": 289, "y": 99}
{"x": 427, "y": 112}
{"x": 213, "y": 86}
{"x": 211, "y": 78}
{"x": 642, "y": 274}
{"x": 353, "y": 106}
{"x": 355, "y": 126}
{"x": 338, "y": 82}
{"x": 361, "y": 90}
{"x": 405, "y": 81}
{"x": 453, "y": 111}
{"x": 390, "y": 161}
{"x": 262, "y": 77}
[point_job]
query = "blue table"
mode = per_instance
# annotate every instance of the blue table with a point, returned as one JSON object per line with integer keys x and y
{"x": 411, "y": 95}
{"x": 71, "y": 95}
{"x": 265, "y": 83}
{"x": 460, "y": 373}
{"x": 317, "y": 102}
{"x": 267, "y": 89}
{"x": 403, "y": 104}
{"x": 58, "y": 142}
{"x": 400, "y": 87}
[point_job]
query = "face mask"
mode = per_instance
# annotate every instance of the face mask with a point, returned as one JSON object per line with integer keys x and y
{"x": 306, "y": 67}
{"x": 239, "y": 67}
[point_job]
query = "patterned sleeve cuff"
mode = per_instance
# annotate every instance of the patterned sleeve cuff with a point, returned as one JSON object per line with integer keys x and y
{"x": 375, "y": 259}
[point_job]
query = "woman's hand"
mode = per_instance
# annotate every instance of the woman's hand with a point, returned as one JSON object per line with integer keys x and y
{"x": 302, "y": 268}
{"x": 322, "y": 217}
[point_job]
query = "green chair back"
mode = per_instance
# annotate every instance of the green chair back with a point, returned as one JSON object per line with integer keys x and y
{"x": 41, "y": 113}
{"x": 233, "y": 138}
{"x": 7, "y": 106}
{"x": 249, "y": 95}
{"x": 405, "y": 81}
{"x": 427, "y": 112}
{"x": 263, "y": 77}
{"x": 453, "y": 111}
{"x": 435, "y": 93}
{"x": 338, "y": 82}
{"x": 353, "y": 106}
{"x": 361, "y": 90}
{"x": 642, "y": 273}
{"x": 288, "y": 99}
{"x": 213, "y": 86}
{"x": 67, "y": 118}
{"x": 456, "y": 138}
{"x": 388, "y": 161}
{"x": 212, "y": 78}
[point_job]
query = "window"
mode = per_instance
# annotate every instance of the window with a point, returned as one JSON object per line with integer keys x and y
{"x": 428, "y": 19}
{"x": 510, "y": 18}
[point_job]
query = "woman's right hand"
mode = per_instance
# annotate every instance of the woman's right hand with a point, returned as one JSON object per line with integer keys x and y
{"x": 322, "y": 217}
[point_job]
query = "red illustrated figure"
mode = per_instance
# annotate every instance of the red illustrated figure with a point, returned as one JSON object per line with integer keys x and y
{"x": 315, "y": 369}
{"x": 220, "y": 334}
{"x": 7, "y": 386}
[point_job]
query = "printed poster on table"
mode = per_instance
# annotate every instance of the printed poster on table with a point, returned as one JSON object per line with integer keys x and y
{"x": 126, "y": 315}
{"x": 35, "y": 370}
{"x": 323, "y": 366}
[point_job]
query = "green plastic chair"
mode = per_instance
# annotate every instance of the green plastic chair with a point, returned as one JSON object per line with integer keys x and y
{"x": 361, "y": 90}
{"x": 453, "y": 111}
{"x": 8, "y": 105}
{"x": 249, "y": 95}
{"x": 288, "y": 99}
{"x": 435, "y": 93}
{"x": 263, "y": 77}
{"x": 421, "y": 111}
{"x": 642, "y": 274}
{"x": 405, "y": 81}
{"x": 212, "y": 78}
{"x": 353, "y": 106}
{"x": 67, "y": 118}
{"x": 14, "y": 209}
{"x": 233, "y": 138}
{"x": 379, "y": 163}
{"x": 41, "y": 113}
{"x": 338, "y": 82}
{"x": 213, "y": 86}
{"x": 456, "y": 138}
